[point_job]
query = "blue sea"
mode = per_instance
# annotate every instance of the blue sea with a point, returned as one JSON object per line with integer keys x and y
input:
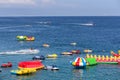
{"x": 102, "y": 37}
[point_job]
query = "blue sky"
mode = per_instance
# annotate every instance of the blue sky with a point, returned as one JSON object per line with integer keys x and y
{"x": 59, "y": 7}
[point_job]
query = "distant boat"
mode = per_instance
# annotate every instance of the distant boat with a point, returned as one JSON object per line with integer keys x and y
{"x": 87, "y": 50}
{"x": 41, "y": 57}
{"x": 66, "y": 53}
{"x": 52, "y": 56}
{"x": 46, "y": 45}
{"x": 73, "y": 43}
{"x": 87, "y": 24}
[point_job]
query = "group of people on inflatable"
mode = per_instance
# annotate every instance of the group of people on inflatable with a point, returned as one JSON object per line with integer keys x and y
{"x": 25, "y": 38}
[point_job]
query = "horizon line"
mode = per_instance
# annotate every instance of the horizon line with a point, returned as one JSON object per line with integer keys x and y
{"x": 55, "y": 16}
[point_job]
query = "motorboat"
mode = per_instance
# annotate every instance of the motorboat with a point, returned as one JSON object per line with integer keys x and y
{"x": 41, "y": 57}
{"x": 53, "y": 67}
{"x": 46, "y": 45}
{"x": 66, "y": 53}
{"x": 87, "y": 50}
{"x": 75, "y": 52}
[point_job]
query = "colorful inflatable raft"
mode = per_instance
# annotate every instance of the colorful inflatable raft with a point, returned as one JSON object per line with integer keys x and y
{"x": 25, "y": 38}
{"x": 91, "y": 61}
{"x": 35, "y": 64}
{"x": 30, "y": 38}
{"x": 52, "y": 56}
{"x": 115, "y": 54}
{"x": 21, "y": 38}
{"x": 105, "y": 59}
{"x": 5, "y": 65}
{"x": 23, "y": 71}
{"x": 79, "y": 62}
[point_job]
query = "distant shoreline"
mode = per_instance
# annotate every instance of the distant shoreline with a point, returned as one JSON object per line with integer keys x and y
{"x": 58, "y": 16}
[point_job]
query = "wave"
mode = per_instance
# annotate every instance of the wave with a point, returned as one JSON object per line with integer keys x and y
{"x": 29, "y": 31}
{"x": 23, "y": 51}
{"x": 44, "y": 22}
{"x": 11, "y": 27}
{"x": 82, "y": 24}
{"x": 28, "y": 25}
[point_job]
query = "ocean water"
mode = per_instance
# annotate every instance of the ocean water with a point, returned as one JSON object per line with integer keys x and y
{"x": 102, "y": 37}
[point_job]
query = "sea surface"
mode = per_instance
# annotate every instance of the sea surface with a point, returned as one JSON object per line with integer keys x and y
{"x": 102, "y": 37}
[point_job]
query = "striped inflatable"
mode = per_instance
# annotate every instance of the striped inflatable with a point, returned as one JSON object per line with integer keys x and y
{"x": 79, "y": 62}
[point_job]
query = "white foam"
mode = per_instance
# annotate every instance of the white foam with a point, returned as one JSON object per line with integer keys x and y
{"x": 82, "y": 24}
{"x": 10, "y": 27}
{"x": 24, "y": 51}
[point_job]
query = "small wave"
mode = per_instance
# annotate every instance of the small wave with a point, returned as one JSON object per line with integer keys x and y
{"x": 24, "y": 51}
{"x": 73, "y": 23}
{"x": 28, "y": 25}
{"x": 29, "y": 31}
{"x": 11, "y": 27}
{"x": 82, "y": 24}
{"x": 44, "y": 22}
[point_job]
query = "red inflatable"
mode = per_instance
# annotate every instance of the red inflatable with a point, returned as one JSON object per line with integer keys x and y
{"x": 115, "y": 54}
{"x": 9, "y": 64}
{"x": 36, "y": 64}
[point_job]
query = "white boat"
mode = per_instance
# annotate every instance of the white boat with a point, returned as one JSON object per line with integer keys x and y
{"x": 24, "y": 51}
{"x": 46, "y": 45}
{"x": 53, "y": 67}
{"x": 66, "y": 53}
{"x": 87, "y": 50}
{"x": 73, "y": 43}
{"x": 87, "y": 24}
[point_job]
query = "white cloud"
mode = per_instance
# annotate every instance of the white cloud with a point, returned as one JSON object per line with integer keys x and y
{"x": 17, "y": 2}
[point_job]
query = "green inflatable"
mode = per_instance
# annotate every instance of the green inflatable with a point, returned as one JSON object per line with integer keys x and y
{"x": 21, "y": 38}
{"x": 91, "y": 61}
